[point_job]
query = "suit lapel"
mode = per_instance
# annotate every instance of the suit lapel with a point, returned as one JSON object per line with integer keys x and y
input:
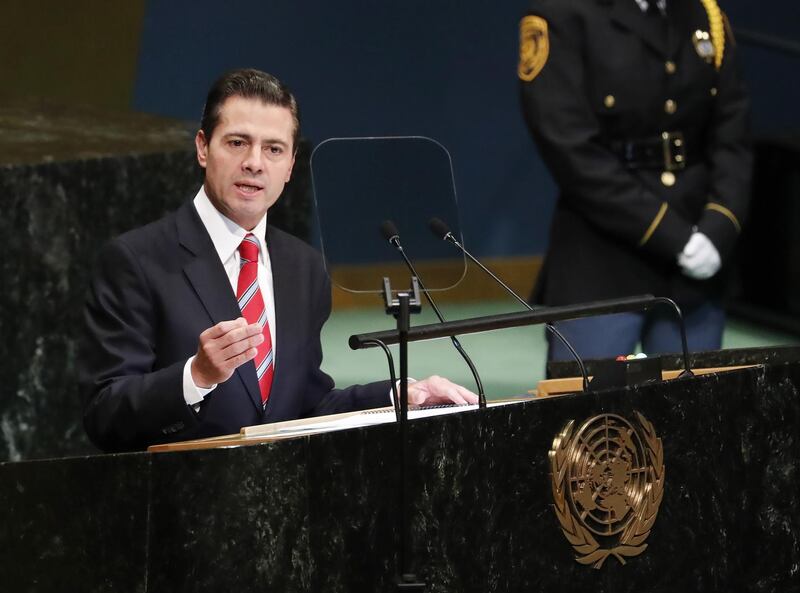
{"x": 284, "y": 311}
{"x": 628, "y": 15}
{"x": 210, "y": 282}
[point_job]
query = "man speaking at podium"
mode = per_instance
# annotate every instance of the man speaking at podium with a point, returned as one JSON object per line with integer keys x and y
{"x": 209, "y": 320}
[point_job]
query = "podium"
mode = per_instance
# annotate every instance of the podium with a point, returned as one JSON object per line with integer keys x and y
{"x": 318, "y": 512}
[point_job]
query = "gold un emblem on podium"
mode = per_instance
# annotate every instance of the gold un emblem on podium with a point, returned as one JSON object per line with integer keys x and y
{"x": 608, "y": 482}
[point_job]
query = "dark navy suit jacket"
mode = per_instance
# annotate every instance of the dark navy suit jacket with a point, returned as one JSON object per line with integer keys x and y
{"x": 155, "y": 290}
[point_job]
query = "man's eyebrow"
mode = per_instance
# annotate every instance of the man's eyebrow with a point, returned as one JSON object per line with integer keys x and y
{"x": 275, "y": 141}
{"x": 238, "y": 135}
{"x": 249, "y": 138}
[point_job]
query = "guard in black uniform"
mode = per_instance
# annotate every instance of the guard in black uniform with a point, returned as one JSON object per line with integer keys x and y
{"x": 639, "y": 111}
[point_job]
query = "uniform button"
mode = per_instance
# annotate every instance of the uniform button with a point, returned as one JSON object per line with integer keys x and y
{"x": 670, "y": 106}
{"x": 670, "y": 67}
{"x": 668, "y": 178}
{"x": 714, "y": 91}
{"x": 609, "y": 101}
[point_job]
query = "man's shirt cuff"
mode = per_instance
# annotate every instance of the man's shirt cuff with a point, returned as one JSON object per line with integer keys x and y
{"x": 397, "y": 386}
{"x": 191, "y": 392}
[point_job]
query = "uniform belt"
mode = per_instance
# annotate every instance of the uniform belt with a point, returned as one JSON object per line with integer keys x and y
{"x": 667, "y": 152}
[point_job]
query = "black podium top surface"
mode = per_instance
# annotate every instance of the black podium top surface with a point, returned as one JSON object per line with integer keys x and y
{"x": 40, "y": 132}
{"x": 697, "y": 360}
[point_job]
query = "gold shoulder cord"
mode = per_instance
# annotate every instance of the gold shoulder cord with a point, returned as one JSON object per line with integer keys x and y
{"x": 717, "y": 27}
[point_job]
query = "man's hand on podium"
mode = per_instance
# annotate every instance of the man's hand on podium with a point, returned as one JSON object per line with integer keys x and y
{"x": 437, "y": 390}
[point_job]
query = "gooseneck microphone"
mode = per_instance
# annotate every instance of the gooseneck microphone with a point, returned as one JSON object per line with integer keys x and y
{"x": 442, "y": 231}
{"x": 392, "y": 235}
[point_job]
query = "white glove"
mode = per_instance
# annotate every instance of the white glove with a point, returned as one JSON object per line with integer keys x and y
{"x": 700, "y": 259}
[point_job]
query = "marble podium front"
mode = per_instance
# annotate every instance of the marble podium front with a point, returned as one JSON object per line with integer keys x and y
{"x": 320, "y": 513}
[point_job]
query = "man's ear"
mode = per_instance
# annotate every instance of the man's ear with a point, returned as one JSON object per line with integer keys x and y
{"x": 201, "y": 145}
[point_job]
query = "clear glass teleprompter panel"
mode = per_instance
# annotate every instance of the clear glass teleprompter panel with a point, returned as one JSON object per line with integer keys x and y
{"x": 361, "y": 182}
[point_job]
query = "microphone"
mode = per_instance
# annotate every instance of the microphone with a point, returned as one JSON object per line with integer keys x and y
{"x": 440, "y": 229}
{"x": 392, "y": 235}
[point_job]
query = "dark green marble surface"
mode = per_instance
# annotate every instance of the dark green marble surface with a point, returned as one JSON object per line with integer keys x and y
{"x": 56, "y": 215}
{"x": 321, "y": 513}
{"x": 75, "y": 524}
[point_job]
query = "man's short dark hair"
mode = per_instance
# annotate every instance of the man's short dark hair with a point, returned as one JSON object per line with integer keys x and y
{"x": 250, "y": 84}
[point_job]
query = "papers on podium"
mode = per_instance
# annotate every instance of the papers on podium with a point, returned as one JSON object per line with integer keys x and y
{"x": 263, "y": 433}
{"x": 359, "y": 419}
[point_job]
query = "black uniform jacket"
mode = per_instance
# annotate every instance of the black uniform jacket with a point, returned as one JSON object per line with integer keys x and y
{"x": 615, "y": 79}
{"x": 156, "y": 289}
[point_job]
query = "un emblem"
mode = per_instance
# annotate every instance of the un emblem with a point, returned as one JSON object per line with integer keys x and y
{"x": 608, "y": 482}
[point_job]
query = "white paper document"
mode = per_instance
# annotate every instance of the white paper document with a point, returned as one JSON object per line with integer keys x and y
{"x": 358, "y": 419}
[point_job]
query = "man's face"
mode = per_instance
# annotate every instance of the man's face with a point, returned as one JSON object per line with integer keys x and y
{"x": 248, "y": 160}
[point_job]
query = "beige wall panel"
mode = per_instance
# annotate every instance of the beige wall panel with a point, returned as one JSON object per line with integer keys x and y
{"x": 75, "y": 53}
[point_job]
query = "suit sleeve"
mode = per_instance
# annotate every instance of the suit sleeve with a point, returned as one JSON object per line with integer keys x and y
{"x": 127, "y": 404}
{"x": 730, "y": 156}
{"x": 327, "y": 399}
{"x": 592, "y": 180}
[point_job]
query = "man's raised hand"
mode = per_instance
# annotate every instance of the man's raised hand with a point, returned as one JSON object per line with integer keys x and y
{"x": 223, "y": 348}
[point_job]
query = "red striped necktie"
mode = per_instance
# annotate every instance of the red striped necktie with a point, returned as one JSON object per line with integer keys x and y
{"x": 253, "y": 310}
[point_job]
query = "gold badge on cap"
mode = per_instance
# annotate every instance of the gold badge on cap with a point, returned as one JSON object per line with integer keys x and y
{"x": 703, "y": 45}
{"x": 534, "y": 47}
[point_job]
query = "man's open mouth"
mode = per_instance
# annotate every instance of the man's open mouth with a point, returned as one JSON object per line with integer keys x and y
{"x": 248, "y": 188}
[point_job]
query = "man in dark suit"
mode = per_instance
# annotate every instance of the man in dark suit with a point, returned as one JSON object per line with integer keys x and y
{"x": 640, "y": 114}
{"x": 209, "y": 320}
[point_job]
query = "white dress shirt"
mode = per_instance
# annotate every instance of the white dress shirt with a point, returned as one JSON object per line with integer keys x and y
{"x": 227, "y": 236}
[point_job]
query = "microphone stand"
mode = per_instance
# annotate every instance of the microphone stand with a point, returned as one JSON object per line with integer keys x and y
{"x": 394, "y": 239}
{"x": 450, "y": 238}
{"x": 550, "y": 314}
{"x": 401, "y": 308}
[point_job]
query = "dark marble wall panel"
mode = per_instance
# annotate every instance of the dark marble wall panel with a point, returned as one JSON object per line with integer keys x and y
{"x": 231, "y": 520}
{"x": 769, "y": 438}
{"x": 56, "y": 215}
{"x": 481, "y": 503}
{"x": 728, "y": 521}
{"x": 322, "y": 513}
{"x": 354, "y": 509}
{"x": 75, "y": 525}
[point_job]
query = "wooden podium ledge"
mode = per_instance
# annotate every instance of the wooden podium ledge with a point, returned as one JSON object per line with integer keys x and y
{"x": 550, "y": 387}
